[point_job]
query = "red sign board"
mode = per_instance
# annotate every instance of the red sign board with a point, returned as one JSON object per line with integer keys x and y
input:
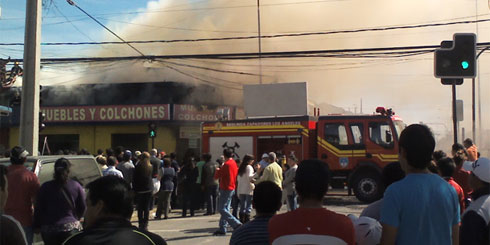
{"x": 109, "y": 113}
{"x": 192, "y": 113}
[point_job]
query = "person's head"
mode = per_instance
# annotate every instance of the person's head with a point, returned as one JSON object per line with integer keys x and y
{"x": 392, "y": 173}
{"x": 100, "y": 152}
{"x": 61, "y": 171}
{"x": 206, "y": 157}
{"x": 111, "y": 161}
{"x": 312, "y": 177}
{"x": 460, "y": 156}
{"x": 267, "y": 198}
{"x": 3, "y": 186}
{"x": 433, "y": 167}
{"x": 446, "y": 167}
{"x": 101, "y": 160}
{"x": 137, "y": 154}
{"x": 127, "y": 155}
{"x": 109, "y": 152}
{"x": 480, "y": 174}
{"x": 166, "y": 162}
{"x": 438, "y": 155}
{"x": 6, "y": 154}
{"x": 272, "y": 157}
{"x": 265, "y": 157}
{"x": 108, "y": 196}
{"x": 145, "y": 155}
{"x": 467, "y": 143}
{"x": 173, "y": 155}
{"x": 83, "y": 151}
{"x": 292, "y": 160}
{"x": 416, "y": 146}
{"x": 247, "y": 160}
{"x": 227, "y": 153}
{"x": 153, "y": 152}
{"x": 18, "y": 155}
{"x": 456, "y": 147}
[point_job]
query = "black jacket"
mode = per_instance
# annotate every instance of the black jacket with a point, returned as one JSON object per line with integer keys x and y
{"x": 114, "y": 232}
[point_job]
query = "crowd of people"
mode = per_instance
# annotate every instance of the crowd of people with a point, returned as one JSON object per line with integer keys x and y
{"x": 430, "y": 198}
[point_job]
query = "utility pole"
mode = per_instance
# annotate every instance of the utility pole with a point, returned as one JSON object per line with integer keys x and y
{"x": 29, "y": 110}
{"x": 260, "y": 41}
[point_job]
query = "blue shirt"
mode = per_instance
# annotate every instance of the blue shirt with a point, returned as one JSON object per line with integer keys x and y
{"x": 424, "y": 208}
{"x": 254, "y": 232}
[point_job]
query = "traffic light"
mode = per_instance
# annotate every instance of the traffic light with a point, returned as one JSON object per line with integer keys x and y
{"x": 152, "y": 130}
{"x": 456, "y": 59}
{"x": 42, "y": 117}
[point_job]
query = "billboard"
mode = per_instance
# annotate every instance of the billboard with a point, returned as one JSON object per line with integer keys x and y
{"x": 280, "y": 99}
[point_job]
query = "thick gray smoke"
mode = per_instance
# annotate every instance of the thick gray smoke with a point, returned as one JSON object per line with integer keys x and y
{"x": 405, "y": 84}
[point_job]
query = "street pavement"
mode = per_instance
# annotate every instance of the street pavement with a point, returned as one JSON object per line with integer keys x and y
{"x": 199, "y": 229}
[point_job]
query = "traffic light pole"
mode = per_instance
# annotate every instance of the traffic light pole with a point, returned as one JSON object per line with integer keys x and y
{"x": 455, "y": 120}
{"x": 152, "y": 142}
{"x": 29, "y": 110}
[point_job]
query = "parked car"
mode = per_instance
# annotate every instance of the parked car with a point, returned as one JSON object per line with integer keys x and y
{"x": 84, "y": 168}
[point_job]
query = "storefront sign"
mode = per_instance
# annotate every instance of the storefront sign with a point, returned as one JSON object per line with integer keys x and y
{"x": 107, "y": 113}
{"x": 203, "y": 113}
{"x": 188, "y": 132}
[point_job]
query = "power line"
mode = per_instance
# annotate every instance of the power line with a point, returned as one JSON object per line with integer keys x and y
{"x": 262, "y": 36}
{"x": 334, "y": 53}
{"x": 200, "y": 79}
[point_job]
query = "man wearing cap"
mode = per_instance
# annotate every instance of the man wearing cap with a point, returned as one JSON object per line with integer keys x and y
{"x": 23, "y": 187}
{"x": 273, "y": 172}
{"x": 126, "y": 167}
{"x": 263, "y": 163}
{"x": 476, "y": 220}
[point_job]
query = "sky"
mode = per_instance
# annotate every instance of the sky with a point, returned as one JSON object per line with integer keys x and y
{"x": 405, "y": 84}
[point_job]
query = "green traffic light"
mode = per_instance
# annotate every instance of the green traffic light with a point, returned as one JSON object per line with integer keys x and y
{"x": 152, "y": 133}
{"x": 465, "y": 64}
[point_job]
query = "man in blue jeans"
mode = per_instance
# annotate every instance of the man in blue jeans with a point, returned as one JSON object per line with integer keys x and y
{"x": 227, "y": 180}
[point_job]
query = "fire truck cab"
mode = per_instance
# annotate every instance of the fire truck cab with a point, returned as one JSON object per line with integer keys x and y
{"x": 355, "y": 147}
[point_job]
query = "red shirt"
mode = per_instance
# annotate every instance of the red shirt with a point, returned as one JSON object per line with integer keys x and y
{"x": 23, "y": 186}
{"x": 461, "y": 177}
{"x": 227, "y": 175}
{"x": 311, "y": 226}
{"x": 460, "y": 193}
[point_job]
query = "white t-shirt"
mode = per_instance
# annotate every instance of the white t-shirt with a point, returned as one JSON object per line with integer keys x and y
{"x": 245, "y": 187}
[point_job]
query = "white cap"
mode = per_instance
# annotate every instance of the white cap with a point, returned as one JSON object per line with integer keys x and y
{"x": 368, "y": 230}
{"x": 481, "y": 168}
{"x": 265, "y": 155}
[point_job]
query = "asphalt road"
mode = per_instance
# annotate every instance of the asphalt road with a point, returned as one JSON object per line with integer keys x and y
{"x": 199, "y": 229}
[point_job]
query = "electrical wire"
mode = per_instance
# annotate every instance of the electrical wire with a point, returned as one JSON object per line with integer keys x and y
{"x": 262, "y": 36}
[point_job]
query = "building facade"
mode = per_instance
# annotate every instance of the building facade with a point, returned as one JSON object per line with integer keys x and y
{"x": 96, "y": 117}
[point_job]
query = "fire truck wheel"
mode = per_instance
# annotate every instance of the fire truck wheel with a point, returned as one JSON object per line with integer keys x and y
{"x": 367, "y": 186}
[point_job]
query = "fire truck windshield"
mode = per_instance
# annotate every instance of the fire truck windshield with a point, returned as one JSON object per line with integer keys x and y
{"x": 399, "y": 126}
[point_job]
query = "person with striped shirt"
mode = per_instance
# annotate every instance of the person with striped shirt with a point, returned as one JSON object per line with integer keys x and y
{"x": 266, "y": 201}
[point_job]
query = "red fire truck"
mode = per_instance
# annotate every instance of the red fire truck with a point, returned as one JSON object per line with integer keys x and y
{"x": 355, "y": 147}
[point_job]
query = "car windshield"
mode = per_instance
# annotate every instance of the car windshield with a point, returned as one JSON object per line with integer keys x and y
{"x": 29, "y": 163}
{"x": 399, "y": 126}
